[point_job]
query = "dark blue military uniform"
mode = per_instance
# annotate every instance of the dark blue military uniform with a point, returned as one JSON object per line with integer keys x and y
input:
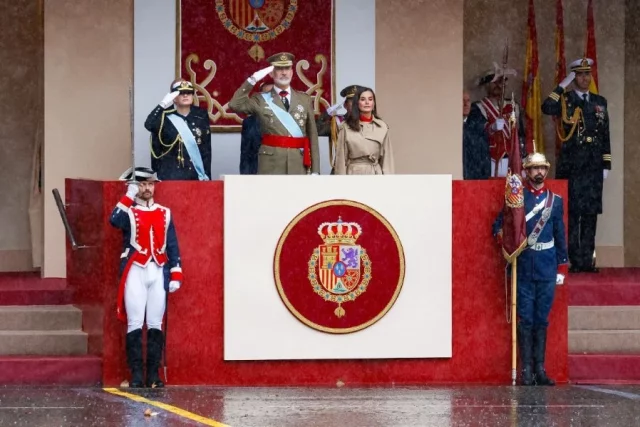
{"x": 476, "y": 159}
{"x": 169, "y": 156}
{"x": 538, "y": 266}
{"x": 250, "y": 141}
{"x": 583, "y": 157}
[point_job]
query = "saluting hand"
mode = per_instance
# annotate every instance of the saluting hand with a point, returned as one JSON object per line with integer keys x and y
{"x": 567, "y": 80}
{"x": 333, "y": 110}
{"x": 168, "y": 99}
{"x": 261, "y": 74}
{"x": 133, "y": 187}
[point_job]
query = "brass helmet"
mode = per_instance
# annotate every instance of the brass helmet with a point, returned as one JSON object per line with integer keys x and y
{"x": 536, "y": 159}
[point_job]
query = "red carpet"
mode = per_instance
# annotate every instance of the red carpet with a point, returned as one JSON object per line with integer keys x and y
{"x": 30, "y": 289}
{"x": 40, "y": 370}
{"x": 612, "y": 286}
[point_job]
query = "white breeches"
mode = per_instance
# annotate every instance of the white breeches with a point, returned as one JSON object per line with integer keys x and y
{"x": 144, "y": 291}
{"x": 503, "y": 166}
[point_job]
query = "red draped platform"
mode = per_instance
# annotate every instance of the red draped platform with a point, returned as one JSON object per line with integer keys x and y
{"x": 481, "y": 336}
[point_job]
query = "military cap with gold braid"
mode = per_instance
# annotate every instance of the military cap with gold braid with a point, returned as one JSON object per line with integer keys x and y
{"x": 182, "y": 86}
{"x": 350, "y": 91}
{"x": 581, "y": 65}
{"x": 282, "y": 59}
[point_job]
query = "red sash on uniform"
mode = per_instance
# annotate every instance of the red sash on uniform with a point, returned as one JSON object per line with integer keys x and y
{"x": 290, "y": 142}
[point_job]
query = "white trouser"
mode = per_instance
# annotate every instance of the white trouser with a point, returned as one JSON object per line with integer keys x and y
{"x": 144, "y": 289}
{"x": 503, "y": 166}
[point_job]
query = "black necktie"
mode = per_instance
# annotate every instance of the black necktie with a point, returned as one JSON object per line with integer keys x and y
{"x": 285, "y": 101}
{"x": 584, "y": 98}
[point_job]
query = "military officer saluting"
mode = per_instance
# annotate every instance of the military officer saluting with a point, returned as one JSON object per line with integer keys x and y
{"x": 180, "y": 136}
{"x": 541, "y": 266}
{"x": 333, "y": 117}
{"x": 289, "y": 135}
{"x": 585, "y": 157}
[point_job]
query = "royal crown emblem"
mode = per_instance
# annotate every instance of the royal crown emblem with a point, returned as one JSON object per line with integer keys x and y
{"x": 339, "y": 269}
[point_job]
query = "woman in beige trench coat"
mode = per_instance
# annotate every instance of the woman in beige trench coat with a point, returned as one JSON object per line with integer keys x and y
{"x": 363, "y": 146}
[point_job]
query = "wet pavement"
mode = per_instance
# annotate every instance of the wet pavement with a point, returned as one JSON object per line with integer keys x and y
{"x": 320, "y": 407}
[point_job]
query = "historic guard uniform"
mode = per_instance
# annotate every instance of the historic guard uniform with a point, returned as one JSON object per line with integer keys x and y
{"x": 541, "y": 266}
{"x": 180, "y": 145}
{"x": 486, "y": 113}
{"x": 149, "y": 268}
{"x": 585, "y": 159}
{"x": 329, "y": 122}
{"x": 287, "y": 120}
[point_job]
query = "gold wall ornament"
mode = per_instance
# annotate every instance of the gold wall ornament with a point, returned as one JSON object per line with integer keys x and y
{"x": 315, "y": 90}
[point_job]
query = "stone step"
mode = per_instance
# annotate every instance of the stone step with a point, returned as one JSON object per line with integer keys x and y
{"x": 40, "y": 318}
{"x": 604, "y": 342}
{"x": 48, "y": 371}
{"x": 46, "y": 343}
{"x": 604, "y": 318}
{"x": 604, "y": 368}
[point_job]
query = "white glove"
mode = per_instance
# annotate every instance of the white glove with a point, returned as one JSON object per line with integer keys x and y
{"x": 259, "y": 75}
{"x": 167, "y": 101}
{"x": 605, "y": 173}
{"x": 559, "y": 279}
{"x": 132, "y": 189}
{"x": 498, "y": 124}
{"x": 334, "y": 108}
{"x": 174, "y": 285}
{"x": 567, "y": 80}
{"x": 315, "y": 173}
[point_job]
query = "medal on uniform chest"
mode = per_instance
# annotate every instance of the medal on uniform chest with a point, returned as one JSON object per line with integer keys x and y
{"x": 198, "y": 133}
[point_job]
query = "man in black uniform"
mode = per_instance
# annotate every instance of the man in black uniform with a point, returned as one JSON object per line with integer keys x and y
{"x": 585, "y": 157}
{"x": 180, "y": 136}
{"x": 476, "y": 160}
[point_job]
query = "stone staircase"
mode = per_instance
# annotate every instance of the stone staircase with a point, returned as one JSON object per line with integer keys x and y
{"x": 42, "y": 341}
{"x": 604, "y": 344}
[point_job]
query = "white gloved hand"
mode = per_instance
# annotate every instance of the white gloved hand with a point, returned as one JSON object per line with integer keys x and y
{"x": 334, "y": 108}
{"x": 167, "y": 101}
{"x": 260, "y": 74}
{"x": 559, "y": 279}
{"x": 605, "y": 173}
{"x": 174, "y": 285}
{"x": 132, "y": 189}
{"x": 315, "y": 173}
{"x": 567, "y": 80}
{"x": 498, "y": 124}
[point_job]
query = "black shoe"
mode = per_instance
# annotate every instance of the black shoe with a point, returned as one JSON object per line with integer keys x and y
{"x": 591, "y": 269}
{"x": 155, "y": 343}
{"x": 539, "y": 348}
{"x": 575, "y": 269}
{"x": 134, "y": 358}
{"x": 525, "y": 342}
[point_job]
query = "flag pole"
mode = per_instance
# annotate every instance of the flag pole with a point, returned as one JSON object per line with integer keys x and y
{"x": 514, "y": 338}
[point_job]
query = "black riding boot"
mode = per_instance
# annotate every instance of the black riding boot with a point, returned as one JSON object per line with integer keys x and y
{"x": 525, "y": 342}
{"x": 539, "y": 348}
{"x": 134, "y": 358}
{"x": 155, "y": 342}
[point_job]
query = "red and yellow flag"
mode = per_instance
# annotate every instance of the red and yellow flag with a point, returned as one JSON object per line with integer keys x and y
{"x": 561, "y": 64}
{"x": 591, "y": 47}
{"x": 531, "y": 99}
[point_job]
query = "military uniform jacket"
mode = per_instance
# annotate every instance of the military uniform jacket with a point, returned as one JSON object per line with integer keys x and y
{"x": 169, "y": 156}
{"x": 587, "y": 151}
{"x": 250, "y": 139}
{"x": 277, "y": 160}
{"x": 542, "y": 260}
{"x": 366, "y": 152}
{"x": 476, "y": 160}
{"x": 148, "y": 236}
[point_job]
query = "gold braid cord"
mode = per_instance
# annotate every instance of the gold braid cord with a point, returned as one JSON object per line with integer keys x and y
{"x": 217, "y": 110}
{"x": 169, "y": 146}
{"x": 333, "y": 141}
{"x": 574, "y": 120}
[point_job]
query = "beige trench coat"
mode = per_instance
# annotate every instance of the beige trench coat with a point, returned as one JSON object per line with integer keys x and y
{"x": 367, "y": 152}
{"x": 277, "y": 160}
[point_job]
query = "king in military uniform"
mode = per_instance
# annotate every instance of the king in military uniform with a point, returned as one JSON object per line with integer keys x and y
{"x": 289, "y": 134}
{"x": 330, "y": 120}
{"x": 585, "y": 157}
{"x": 180, "y": 136}
{"x": 493, "y": 112}
{"x": 541, "y": 266}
